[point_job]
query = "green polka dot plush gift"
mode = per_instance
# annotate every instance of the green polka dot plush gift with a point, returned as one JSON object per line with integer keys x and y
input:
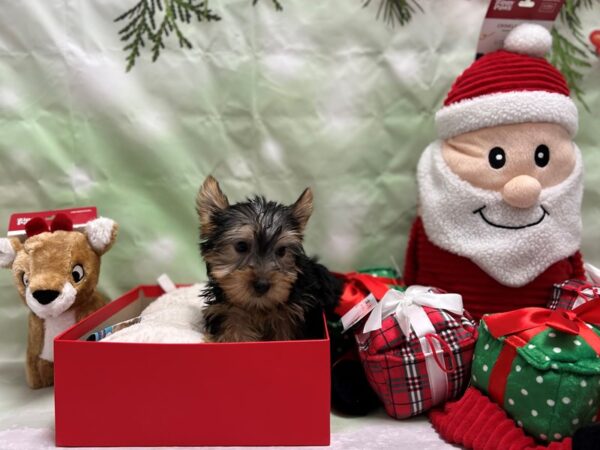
{"x": 542, "y": 367}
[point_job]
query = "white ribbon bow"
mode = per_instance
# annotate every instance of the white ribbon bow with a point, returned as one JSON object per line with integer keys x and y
{"x": 408, "y": 309}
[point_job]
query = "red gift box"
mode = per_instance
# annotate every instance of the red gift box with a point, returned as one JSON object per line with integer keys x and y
{"x": 133, "y": 394}
{"x": 420, "y": 357}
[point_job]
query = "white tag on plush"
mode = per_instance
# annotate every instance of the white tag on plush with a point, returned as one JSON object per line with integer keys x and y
{"x": 166, "y": 283}
{"x": 358, "y": 311}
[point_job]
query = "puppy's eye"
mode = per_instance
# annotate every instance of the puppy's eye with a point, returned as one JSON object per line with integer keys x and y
{"x": 542, "y": 155}
{"x": 241, "y": 247}
{"x": 497, "y": 158}
{"x": 77, "y": 273}
{"x": 280, "y": 252}
{"x": 25, "y": 279}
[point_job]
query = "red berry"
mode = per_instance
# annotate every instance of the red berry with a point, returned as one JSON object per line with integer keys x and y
{"x": 595, "y": 39}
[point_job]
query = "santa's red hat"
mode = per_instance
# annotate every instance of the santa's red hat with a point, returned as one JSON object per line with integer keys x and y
{"x": 512, "y": 85}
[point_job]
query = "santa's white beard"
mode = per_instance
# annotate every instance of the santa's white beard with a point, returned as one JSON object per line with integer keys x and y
{"x": 510, "y": 244}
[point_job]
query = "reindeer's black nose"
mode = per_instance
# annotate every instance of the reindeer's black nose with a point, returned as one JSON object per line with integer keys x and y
{"x": 45, "y": 297}
{"x": 261, "y": 286}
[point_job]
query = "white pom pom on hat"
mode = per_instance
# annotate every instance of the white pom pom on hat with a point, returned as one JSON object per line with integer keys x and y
{"x": 529, "y": 39}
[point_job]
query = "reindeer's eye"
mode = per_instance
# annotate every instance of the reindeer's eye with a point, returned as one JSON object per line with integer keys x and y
{"x": 241, "y": 247}
{"x": 280, "y": 252}
{"x": 77, "y": 273}
{"x": 25, "y": 279}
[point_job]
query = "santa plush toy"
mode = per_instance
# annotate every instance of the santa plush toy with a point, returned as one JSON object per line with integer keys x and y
{"x": 499, "y": 217}
{"x": 500, "y": 191}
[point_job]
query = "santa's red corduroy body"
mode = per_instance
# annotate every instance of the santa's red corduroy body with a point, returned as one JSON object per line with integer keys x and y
{"x": 429, "y": 265}
{"x": 500, "y": 191}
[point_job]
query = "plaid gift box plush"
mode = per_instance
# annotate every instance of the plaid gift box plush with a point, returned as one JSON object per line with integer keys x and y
{"x": 416, "y": 354}
{"x": 573, "y": 293}
{"x": 542, "y": 367}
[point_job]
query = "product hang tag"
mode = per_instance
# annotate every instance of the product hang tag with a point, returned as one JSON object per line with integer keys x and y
{"x": 358, "y": 311}
{"x": 504, "y": 15}
{"x": 78, "y": 216}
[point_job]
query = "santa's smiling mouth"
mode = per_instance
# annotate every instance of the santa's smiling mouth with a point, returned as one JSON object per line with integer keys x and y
{"x": 510, "y": 227}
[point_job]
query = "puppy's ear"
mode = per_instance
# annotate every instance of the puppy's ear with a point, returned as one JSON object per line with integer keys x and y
{"x": 303, "y": 207}
{"x": 209, "y": 200}
{"x": 8, "y": 251}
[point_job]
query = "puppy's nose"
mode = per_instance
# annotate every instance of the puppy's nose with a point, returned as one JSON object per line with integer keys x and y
{"x": 522, "y": 191}
{"x": 45, "y": 297}
{"x": 262, "y": 286}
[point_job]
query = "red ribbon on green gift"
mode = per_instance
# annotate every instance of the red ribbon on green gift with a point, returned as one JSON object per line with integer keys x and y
{"x": 521, "y": 325}
{"x": 358, "y": 285}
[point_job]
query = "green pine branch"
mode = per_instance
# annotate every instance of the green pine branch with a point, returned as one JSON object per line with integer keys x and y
{"x": 143, "y": 27}
{"x": 396, "y": 11}
{"x": 572, "y": 56}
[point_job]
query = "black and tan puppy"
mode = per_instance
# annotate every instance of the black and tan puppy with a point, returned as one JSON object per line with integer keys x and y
{"x": 262, "y": 286}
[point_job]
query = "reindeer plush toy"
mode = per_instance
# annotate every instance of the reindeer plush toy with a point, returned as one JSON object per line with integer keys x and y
{"x": 56, "y": 271}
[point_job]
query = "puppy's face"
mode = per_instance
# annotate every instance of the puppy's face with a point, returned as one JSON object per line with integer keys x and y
{"x": 250, "y": 247}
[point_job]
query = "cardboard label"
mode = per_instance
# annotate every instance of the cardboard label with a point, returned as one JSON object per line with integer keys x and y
{"x": 165, "y": 282}
{"x": 79, "y": 217}
{"x": 504, "y": 15}
{"x": 358, "y": 311}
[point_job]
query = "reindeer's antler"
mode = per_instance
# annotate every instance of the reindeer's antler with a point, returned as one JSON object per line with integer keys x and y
{"x": 38, "y": 225}
{"x": 61, "y": 222}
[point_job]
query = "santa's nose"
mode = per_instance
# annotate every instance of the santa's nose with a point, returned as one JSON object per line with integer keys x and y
{"x": 522, "y": 191}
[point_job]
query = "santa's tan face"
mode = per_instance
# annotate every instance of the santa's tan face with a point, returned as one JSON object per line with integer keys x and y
{"x": 518, "y": 161}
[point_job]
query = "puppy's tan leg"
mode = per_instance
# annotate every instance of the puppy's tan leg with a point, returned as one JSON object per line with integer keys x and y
{"x": 233, "y": 335}
{"x": 235, "y": 330}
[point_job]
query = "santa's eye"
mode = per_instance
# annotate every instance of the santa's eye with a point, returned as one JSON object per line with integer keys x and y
{"x": 241, "y": 247}
{"x": 25, "y": 279}
{"x": 542, "y": 155}
{"x": 497, "y": 158}
{"x": 77, "y": 273}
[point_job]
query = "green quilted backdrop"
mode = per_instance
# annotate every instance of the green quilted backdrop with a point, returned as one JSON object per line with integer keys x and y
{"x": 321, "y": 94}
